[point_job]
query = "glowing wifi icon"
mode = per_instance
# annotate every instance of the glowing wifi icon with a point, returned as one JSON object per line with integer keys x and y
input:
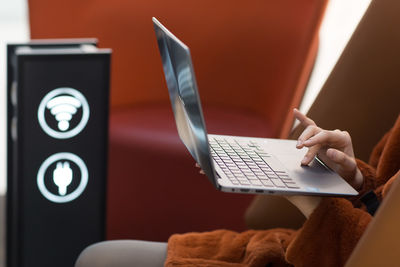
{"x": 63, "y": 107}
{"x": 63, "y": 103}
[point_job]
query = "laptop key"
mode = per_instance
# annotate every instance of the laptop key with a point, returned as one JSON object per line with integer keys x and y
{"x": 278, "y": 183}
{"x": 256, "y": 182}
{"x": 267, "y": 183}
{"x": 272, "y": 176}
{"x": 242, "y": 182}
{"x": 293, "y": 186}
{"x": 283, "y": 176}
{"x": 266, "y": 170}
{"x": 287, "y": 180}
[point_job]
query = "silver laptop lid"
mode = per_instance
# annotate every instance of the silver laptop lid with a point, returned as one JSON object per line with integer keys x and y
{"x": 185, "y": 100}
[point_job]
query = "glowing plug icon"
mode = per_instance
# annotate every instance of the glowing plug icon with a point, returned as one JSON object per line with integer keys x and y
{"x": 63, "y": 107}
{"x": 62, "y": 177}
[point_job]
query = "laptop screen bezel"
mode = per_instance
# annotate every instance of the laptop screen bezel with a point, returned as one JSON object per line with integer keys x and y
{"x": 184, "y": 97}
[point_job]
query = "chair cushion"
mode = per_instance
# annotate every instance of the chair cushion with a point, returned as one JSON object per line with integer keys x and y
{"x": 154, "y": 189}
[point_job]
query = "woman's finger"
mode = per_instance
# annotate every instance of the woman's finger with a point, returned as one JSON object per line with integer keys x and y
{"x": 335, "y": 139}
{"x": 201, "y": 170}
{"x": 311, "y": 153}
{"x": 304, "y": 120}
{"x": 347, "y": 163}
{"x": 310, "y": 131}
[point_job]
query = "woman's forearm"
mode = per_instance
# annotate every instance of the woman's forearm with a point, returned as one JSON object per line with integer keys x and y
{"x": 306, "y": 204}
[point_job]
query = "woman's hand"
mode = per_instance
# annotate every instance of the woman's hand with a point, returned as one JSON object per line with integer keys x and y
{"x": 334, "y": 148}
{"x": 201, "y": 170}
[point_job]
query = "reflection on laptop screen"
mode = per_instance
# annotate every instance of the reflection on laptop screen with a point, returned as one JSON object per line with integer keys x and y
{"x": 179, "y": 75}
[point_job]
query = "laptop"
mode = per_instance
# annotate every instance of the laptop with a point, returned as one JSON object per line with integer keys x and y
{"x": 233, "y": 163}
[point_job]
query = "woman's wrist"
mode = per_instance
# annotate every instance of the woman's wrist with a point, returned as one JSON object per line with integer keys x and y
{"x": 306, "y": 204}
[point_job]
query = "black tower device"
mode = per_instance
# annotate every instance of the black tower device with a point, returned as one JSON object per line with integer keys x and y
{"x": 58, "y": 98}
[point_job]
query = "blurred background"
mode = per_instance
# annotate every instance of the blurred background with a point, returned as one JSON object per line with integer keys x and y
{"x": 339, "y": 22}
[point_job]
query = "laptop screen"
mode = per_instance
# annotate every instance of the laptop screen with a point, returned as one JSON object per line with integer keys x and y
{"x": 183, "y": 93}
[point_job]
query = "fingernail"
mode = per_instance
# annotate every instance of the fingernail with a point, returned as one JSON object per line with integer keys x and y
{"x": 304, "y": 160}
{"x": 299, "y": 143}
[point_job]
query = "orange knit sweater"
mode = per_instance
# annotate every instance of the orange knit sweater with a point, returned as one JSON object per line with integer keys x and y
{"x": 327, "y": 238}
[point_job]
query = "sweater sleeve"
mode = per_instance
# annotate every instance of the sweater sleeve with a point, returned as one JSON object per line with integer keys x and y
{"x": 370, "y": 183}
{"x": 328, "y": 237}
{"x": 369, "y": 174}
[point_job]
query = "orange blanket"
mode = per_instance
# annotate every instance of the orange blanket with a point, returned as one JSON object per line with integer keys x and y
{"x": 327, "y": 238}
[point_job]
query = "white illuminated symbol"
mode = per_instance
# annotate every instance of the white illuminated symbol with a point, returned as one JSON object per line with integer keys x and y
{"x": 63, "y": 104}
{"x": 62, "y": 177}
{"x": 63, "y": 108}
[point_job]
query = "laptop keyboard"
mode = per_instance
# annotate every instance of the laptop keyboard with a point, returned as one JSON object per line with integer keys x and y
{"x": 246, "y": 163}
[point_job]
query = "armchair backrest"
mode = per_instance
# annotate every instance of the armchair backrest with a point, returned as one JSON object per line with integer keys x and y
{"x": 256, "y": 56}
{"x": 362, "y": 94}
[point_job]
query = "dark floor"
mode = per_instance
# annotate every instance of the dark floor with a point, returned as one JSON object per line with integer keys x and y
{"x": 2, "y": 225}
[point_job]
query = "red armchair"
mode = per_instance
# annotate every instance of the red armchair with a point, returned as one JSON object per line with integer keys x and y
{"x": 252, "y": 61}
